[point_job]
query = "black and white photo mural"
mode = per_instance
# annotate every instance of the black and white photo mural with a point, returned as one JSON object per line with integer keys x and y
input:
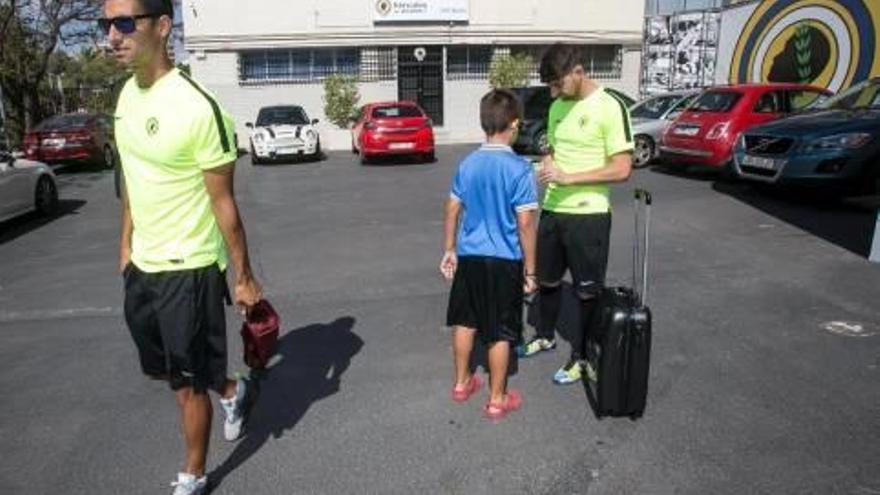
{"x": 680, "y": 51}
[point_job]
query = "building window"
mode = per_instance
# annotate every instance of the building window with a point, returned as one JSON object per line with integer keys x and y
{"x": 297, "y": 66}
{"x": 468, "y": 62}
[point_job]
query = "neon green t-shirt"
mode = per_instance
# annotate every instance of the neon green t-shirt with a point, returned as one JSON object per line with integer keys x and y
{"x": 167, "y": 135}
{"x": 584, "y": 135}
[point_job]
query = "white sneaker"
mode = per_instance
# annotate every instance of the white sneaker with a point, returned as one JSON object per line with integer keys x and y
{"x": 188, "y": 484}
{"x": 236, "y": 411}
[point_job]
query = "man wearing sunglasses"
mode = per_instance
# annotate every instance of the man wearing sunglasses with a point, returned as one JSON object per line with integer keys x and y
{"x": 179, "y": 217}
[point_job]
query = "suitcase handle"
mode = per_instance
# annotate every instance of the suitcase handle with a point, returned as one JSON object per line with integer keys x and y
{"x": 641, "y": 196}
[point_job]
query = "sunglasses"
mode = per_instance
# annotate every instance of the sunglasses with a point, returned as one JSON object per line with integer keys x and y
{"x": 125, "y": 24}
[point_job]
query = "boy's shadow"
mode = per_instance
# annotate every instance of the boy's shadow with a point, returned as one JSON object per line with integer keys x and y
{"x": 313, "y": 359}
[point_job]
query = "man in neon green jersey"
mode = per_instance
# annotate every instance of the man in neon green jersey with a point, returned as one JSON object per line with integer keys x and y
{"x": 591, "y": 147}
{"x": 179, "y": 216}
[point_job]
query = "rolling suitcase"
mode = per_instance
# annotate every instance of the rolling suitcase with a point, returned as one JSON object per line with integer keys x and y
{"x": 619, "y": 338}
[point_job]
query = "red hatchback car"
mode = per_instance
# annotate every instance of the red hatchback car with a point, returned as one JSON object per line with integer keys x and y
{"x": 704, "y": 134}
{"x": 73, "y": 138}
{"x": 392, "y": 128}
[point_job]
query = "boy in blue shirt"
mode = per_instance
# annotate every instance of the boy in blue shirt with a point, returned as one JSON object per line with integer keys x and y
{"x": 490, "y": 259}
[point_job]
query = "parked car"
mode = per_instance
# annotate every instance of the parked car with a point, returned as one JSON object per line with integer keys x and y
{"x": 837, "y": 144}
{"x": 392, "y": 128}
{"x": 532, "y": 137}
{"x": 80, "y": 138}
{"x": 26, "y": 185}
{"x": 283, "y": 132}
{"x": 651, "y": 117}
{"x": 705, "y": 133}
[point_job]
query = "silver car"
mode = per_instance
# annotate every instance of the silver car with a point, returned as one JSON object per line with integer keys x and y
{"x": 25, "y": 186}
{"x": 650, "y": 118}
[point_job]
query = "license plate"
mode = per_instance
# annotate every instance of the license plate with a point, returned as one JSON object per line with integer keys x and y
{"x": 401, "y": 146}
{"x": 686, "y": 131}
{"x": 53, "y": 142}
{"x": 761, "y": 162}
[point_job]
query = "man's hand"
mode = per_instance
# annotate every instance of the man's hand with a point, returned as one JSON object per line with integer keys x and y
{"x": 550, "y": 173}
{"x": 124, "y": 259}
{"x": 531, "y": 284}
{"x": 248, "y": 293}
{"x": 448, "y": 264}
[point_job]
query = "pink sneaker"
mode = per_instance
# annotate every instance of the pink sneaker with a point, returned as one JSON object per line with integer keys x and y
{"x": 461, "y": 393}
{"x": 512, "y": 402}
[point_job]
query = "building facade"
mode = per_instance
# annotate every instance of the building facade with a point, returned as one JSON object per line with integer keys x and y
{"x": 435, "y": 52}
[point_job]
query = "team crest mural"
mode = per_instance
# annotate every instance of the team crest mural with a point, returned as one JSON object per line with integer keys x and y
{"x": 828, "y": 43}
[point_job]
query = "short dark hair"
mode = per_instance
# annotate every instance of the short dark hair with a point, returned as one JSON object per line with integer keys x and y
{"x": 559, "y": 60}
{"x": 158, "y": 7}
{"x": 498, "y": 109}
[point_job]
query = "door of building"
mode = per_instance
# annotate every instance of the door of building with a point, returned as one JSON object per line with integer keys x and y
{"x": 420, "y": 78}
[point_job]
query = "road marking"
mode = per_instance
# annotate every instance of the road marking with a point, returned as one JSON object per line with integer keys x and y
{"x": 848, "y": 329}
{"x": 57, "y": 314}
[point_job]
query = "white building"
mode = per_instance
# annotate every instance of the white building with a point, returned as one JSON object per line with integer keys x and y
{"x": 436, "y": 52}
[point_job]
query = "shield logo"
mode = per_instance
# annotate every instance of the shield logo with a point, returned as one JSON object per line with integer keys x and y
{"x": 152, "y": 126}
{"x": 383, "y": 7}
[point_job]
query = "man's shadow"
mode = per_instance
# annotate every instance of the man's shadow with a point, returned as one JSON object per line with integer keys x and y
{"x": 313, "y": 359}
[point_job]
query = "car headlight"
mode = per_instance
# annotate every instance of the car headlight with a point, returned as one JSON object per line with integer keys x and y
{"x": 848, "y": 141}
{"x": 258, "y": 138}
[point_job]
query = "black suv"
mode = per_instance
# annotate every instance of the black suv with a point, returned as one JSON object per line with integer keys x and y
{"x": 533, "y": 130}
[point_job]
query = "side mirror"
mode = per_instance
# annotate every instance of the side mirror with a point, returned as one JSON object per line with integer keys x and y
{"x": 673, "y": 115}
{"x": 315, "y": 121}
{"x": 249, "y": 125}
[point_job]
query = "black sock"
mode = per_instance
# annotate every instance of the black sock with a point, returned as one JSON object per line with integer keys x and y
{"x": 549, "y": 302}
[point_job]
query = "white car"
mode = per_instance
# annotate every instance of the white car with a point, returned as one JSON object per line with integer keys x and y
{"x": 25, "y": 186}
{"x": 283, "y": 132}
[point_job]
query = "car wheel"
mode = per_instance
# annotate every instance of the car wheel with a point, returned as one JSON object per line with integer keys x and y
{"x": 727, "y": 172}
{"x": 46, "y": 197}
{"x": 540, "y": 144}
{"x": 317, "y": 155}
{"x": 109, "y": 157}
{"x": 366, "y": 159}
{"x": 255, "y": 160}
{"x": 429, "y": 157}
{"x": 643, "y": 151}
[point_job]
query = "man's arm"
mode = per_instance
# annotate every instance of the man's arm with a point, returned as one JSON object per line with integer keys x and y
{"x": 219, "y": 183}
{"x": 527, "y": 223}
{"x": 126, "y": 228}
{"x": 617, "y": 169}
{"x": 450, "y": 225}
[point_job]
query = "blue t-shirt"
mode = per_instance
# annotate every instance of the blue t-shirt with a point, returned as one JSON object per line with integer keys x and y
{"x": 493, "y": 183}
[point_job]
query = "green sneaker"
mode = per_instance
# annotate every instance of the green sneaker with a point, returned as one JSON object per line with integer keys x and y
{"x": 535, "y": 346}
{"x": 568, "y": 374}
{"x": 590, "y": 372}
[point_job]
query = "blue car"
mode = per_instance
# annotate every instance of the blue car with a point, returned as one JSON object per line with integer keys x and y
{"x": 835, "y": 144}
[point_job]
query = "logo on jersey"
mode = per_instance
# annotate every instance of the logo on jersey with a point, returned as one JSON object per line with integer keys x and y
{"x": 152, "y": 126}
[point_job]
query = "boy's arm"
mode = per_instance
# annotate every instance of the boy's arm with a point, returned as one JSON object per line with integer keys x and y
{"x": 450, "y": 225}
{"x": 527, "y": 223}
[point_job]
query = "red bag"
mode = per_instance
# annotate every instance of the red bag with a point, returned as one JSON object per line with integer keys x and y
{"x": 259, "y": 334}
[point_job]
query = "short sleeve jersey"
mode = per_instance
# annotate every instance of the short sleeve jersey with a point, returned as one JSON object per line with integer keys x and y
{"x": 493, "y": 184}
{"x": 167, "y": 135}
{"x": 584, "y": 134}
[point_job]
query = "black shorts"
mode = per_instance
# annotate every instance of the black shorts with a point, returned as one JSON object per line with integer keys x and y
{"x": 487, "y": 294}
{"x": 178, "y": 323}
{"x": 578, "y": 243}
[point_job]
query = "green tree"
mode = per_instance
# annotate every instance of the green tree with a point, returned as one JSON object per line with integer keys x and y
{"x": 510, "y": 71}
{"x": 341, "y": 99}
{"x": 30, "y": 34}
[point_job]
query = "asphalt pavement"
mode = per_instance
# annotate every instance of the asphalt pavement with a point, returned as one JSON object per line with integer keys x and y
{"x": 764, "y": 373}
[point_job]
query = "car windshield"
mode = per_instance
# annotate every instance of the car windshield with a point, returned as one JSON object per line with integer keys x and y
{"x": 653, "y": 108}
{"x": 395, "y": 111}
{"x": 861, "y": 96}
{"x": 716, "y": 101}
{"x": 64, "y": 122}
{"x": 282, "y": 116}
